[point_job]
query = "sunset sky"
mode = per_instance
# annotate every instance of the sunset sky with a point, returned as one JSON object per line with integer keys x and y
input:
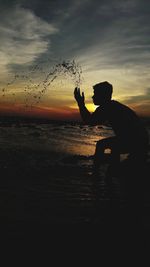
{"x": 108, "y": 39}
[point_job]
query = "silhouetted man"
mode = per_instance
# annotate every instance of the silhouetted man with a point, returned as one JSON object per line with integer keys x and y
{"x": 130, "y": 135}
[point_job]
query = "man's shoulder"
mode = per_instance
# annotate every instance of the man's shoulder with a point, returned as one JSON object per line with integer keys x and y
{"x": 117, "y": 104}
{"x": 120, "y": 107}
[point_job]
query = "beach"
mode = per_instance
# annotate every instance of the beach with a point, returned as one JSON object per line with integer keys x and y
{"x": 46, "y": 179}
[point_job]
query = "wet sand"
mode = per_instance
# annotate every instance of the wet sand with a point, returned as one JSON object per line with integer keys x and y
{"x": 35, "y": 196}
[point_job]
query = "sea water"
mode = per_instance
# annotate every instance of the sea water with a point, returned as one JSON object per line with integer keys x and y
{"x": 56, "y": 140}
{"x": 37, "y": 183}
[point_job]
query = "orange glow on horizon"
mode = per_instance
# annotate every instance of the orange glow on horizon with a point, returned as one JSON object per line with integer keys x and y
{"x": 57, "y": 113}
{"x": 63, "y": 113}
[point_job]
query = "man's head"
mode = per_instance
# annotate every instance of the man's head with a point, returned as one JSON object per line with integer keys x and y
{"x": 102, "y": 93}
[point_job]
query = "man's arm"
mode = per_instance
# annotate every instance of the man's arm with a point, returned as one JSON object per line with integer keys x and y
{"x": 85, "y": 114}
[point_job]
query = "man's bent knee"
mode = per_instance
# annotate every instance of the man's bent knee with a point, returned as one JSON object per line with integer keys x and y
{"x": 105, "y": 143}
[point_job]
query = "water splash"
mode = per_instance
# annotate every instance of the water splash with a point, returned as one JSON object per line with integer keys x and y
{"x": 33, "y": 90}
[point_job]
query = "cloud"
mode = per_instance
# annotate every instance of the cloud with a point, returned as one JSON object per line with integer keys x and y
{"x": 138, "y": 98}
{"x": 121, "y": 44}
{"x": 24, "y": 37}
{"x": 106, "y": 33}
{"x": 141, "y": 103}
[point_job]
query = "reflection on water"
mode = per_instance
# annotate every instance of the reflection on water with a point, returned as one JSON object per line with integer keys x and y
{"x": 67, "y": 138}
{"x": 51, "y": 141}
{"x": 45, "y": 192}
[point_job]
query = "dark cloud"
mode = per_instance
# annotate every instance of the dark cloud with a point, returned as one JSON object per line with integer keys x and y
{"x": 139, "y": 103}
{"x": 23, "y": 40}
{"x": 139, "y": 98}
{"x": 101, "y": 32}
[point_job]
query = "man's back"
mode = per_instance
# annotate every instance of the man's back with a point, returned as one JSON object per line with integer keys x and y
{"x": 123, "y": 120}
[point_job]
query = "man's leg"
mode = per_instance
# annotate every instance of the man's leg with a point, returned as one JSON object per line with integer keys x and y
{"x": 100, "y": 149}
{"x": 103, "y": 144}
{"x": 99, "y": 155}
{"x": 115, "y": 154}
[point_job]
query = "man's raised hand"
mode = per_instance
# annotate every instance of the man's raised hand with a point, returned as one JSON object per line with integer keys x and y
{"x": 78, "y": 97}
